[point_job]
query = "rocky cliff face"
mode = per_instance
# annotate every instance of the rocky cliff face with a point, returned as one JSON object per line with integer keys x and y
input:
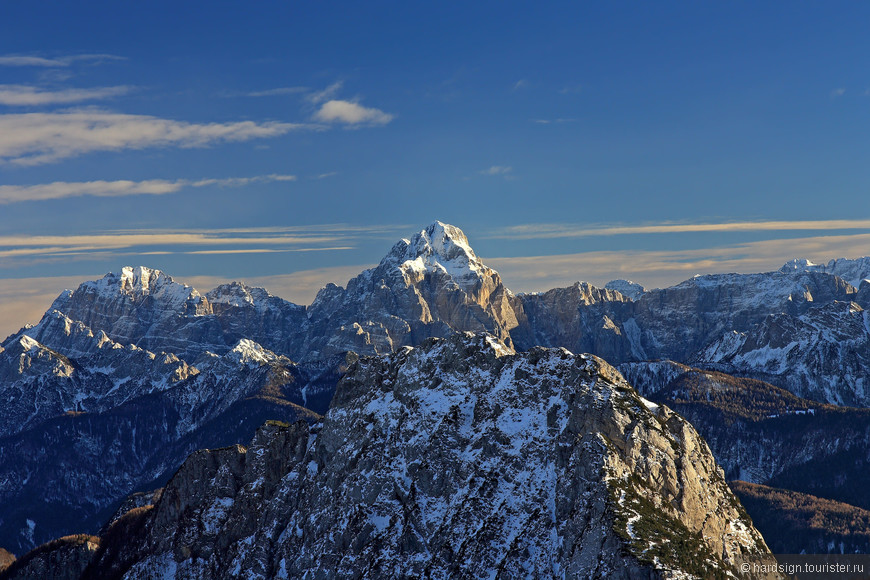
{"x": 254, "y": 314}
{"x": 679, "y": 321}
{"x": 802, "y": 330}
{"x": 581, "y": 318}
{"x": 760, "y": 433}
{"x": 62, "y": 559}
{"x": 144, "y": 307}
{"x": 430, "y": 285}
{"x": 458, "y": 458}
{"x": 434, "y": 285}
{"x": 852, "y": 271}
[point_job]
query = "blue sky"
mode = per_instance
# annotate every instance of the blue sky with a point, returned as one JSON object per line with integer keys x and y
{"x": 290, "y": 144}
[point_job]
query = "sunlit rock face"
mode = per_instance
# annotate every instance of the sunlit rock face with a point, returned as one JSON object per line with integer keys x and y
{"x": 581, "y": 318}
{"x": 144, "y": 307}
{"x": 430, "y": 285}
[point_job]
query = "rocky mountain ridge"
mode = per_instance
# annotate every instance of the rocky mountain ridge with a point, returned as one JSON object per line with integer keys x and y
{"x": 67, "y": 469}
{"x": 137, "y": 344}
{"x": 822, "y": 354}
{"x": 457, "y": 458}
{"x": 855, "y": 272}
{"x": 434, "y": 285}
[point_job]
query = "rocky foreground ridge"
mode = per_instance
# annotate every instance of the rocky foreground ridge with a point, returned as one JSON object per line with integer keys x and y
{"x": 460, "y": 458}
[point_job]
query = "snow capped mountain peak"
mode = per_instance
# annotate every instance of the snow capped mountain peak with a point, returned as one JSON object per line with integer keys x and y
{"x": 233, "y": 294}
{"x": 139, "y": 279}
{"x": 239, "y": 295}
{"x": 440, "y": 248}
{"x": 852, "y": 271}
{"x": 28, "y": 344}
{"x": 798, "y": 264}
{"x": 627, "y": 288}
{"x": 72, "y": 337}
{"x": 247, "y": 351}
{"x": 139, "y": 282}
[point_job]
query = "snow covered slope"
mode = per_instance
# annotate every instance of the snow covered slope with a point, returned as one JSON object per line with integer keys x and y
{"x": 852, "y": 271}
{"x": 455, "y": 459}
{"x": 822, "y": 354}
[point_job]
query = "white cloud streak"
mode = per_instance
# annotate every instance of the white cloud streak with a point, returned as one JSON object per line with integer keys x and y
{"x": 550, "y": 231}
{"x": 662, "y": 268}
{"x": 38, "y": 138}
{"x": 239, "y": 181}
{"x": 180, "y": 240}
{"x": 38, "y": 61}
{"x": 271, "y": 250}
{"x": 277, "y": 92}
{"x": 326, "y": 94}
{"x": 351, "y": 113}
{"x": 558, "y": 121}
{"x": 23, "y": 95}
{"x": 497, "y": 170}
{"x": 328, "y": 237}
{"x": 121, "y": 188}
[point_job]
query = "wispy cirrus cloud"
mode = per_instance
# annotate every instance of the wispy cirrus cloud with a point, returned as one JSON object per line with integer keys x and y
{"x": 520, "y": 84}
{"x": 557, "y": 121}
{"x": 56, "y": 62}
{"x": 502, "y": 170}
{"x": 38, "y": 138}
{"x": 662, "y": 268}
{"x": 549, "y": 231}
{"x": 165, "y": 242}
{"x": 121, "y": 188}
{"x": 47, "y": 248}
{"x": 277, "y": 92}
{"x": 24, "y": 95}
{"x": 326, "y": 94}
{"x": 350, "y": 113}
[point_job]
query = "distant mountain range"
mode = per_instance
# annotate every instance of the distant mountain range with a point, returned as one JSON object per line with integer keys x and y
{"x": 125, "y": 376}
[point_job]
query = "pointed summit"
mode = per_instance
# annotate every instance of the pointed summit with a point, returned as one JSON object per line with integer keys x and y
{"x": 430, "y": 285}
{"x": 440, "y": 248}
